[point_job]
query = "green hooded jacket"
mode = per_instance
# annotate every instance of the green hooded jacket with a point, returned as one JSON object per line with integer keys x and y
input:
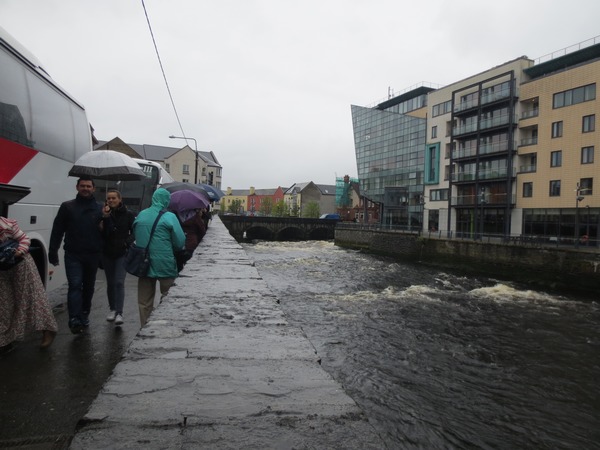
{"x": 168, "y": 236}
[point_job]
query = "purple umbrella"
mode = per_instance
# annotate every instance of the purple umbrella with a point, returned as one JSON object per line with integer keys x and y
{"x": 187, "y": 200}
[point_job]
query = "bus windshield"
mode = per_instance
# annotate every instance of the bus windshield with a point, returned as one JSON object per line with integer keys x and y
{"x": 137, "y": 195}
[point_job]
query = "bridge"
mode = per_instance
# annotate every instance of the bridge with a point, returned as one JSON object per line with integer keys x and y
{"x": 279, "y": 228}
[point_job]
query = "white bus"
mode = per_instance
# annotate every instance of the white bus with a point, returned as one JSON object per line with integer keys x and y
{"x": 43, "y": 131}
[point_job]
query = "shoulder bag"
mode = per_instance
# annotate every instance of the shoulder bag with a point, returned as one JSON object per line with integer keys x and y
{"x": 7, "y": 254}
{"x": 137, "y": 259}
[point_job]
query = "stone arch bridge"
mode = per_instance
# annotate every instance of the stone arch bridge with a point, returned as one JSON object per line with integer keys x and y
{"x": 279, "y": 228}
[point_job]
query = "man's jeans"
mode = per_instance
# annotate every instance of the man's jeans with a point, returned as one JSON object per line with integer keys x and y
{"x": 81, "y": 275}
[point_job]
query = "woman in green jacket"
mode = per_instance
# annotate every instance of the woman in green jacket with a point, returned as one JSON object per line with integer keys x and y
{"x": 168, "y": 238}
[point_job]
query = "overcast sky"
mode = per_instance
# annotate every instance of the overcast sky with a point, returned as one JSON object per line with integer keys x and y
{"x": 267, "y": 84}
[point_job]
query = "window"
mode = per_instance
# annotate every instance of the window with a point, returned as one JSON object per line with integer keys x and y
{"x": 167, "y": 167}
{"x": 528, "y": 189}
{"x": 556, "y": 158}
{"x": 587, "y": 155}
{"x": 186, "y": 169}
{"x": 434, "y": 131}
{"x": 589, "y": 124}
{"x": 436, "y": 195}
{"x": 574, "y": 96}
{"x": 557, "y": 129}
{"x": 586, "y": 186}
{"x": 441, "y": 108}
{"x": 555, "y": 188}
{"x": 446, "y": 172}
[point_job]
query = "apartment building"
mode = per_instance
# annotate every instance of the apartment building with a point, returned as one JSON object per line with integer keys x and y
{"x": 509, "y": 151}
{"x": 556, "y": 153}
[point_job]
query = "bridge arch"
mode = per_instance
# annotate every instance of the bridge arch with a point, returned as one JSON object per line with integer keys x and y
{"x": 262, "y": 233}
{"x": 290, "y": 234}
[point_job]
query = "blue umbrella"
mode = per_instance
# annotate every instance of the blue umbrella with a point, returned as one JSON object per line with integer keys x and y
{"x": 212, "y": 192}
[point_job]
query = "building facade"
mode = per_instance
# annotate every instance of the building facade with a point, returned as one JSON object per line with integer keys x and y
{"x": 509, "y": 151}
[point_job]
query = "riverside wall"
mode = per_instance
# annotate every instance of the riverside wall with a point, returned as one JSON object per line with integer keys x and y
{"x": 557, "y": 268}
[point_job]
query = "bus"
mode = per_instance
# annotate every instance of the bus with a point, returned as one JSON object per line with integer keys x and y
{"x": 137, "y": 195}
{"x": 43, "y": 131}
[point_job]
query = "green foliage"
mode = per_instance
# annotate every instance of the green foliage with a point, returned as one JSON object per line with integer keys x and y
{"x": 266, "y": 206}
{"x": 235, "y": 207}
{"x": 312, "y": 211}
{"x": 279, "y": 209}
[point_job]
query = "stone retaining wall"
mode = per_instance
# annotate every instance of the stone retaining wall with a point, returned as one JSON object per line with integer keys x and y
{"x": 559, "y": 268}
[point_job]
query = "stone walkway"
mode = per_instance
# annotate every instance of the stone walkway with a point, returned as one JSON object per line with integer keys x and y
{"x": 219, "y": 367}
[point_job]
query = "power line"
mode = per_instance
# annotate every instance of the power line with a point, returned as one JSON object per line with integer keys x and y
{"x": 162, "y": 69}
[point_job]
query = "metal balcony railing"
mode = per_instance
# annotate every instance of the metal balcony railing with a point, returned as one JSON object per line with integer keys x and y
{"x": 528, "y": 114}
{"x": 529, "y": 141}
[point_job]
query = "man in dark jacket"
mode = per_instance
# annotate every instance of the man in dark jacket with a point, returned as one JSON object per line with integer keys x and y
{"x": 78, "y": 221}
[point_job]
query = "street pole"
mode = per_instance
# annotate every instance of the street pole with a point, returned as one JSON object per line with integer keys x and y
{"x": 195, "y": 151}
{"x": 578, "y": 198}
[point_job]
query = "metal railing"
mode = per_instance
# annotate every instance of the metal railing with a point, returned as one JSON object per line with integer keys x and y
{"x": 534, "y": 241}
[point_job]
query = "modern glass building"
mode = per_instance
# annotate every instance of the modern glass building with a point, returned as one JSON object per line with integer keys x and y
{"x": 389, "y": 142}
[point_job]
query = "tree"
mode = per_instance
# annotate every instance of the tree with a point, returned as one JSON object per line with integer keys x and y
{"x": 279, "y": 209}
{"x": 266, "y": 206}
{"x": 235, "y": 206}
{"x": 312, "y": 211}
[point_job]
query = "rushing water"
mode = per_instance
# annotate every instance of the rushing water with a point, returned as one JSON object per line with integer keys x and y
{"x": 437, "y": 360}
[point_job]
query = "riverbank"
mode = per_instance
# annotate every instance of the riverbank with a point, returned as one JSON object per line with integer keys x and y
{"x": 559, "y": 268}
{"x": 218, "y": 366}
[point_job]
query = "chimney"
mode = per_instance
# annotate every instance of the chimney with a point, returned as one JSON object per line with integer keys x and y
{"x": 251, "y": 190}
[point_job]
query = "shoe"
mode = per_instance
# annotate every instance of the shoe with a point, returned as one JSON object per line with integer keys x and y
{"x": 111, "y": 315}
{"x": 118, "y": 319}
{"x": 75, "y": 326}
{"x": 47, "y": 338}
{"x": 85, "y": 321}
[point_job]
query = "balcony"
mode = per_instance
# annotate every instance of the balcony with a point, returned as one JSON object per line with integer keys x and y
{"x": 528, "y": 169}
{"x": 464, "y": 129}
{"x": 495, "y": 147}
{"x": 528, "y": 114}
{"x": 464, "y": 106}
{"x": 489, "y": 174}
{"x": 529, "y": 141}
{"x": 489, "y": 200}
{"x": 496, "y": 96}
{"x": 498, "y": 121}
{"x": 469, "y": 152}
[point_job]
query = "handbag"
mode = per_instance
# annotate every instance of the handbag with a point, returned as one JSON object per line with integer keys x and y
{"x": 7, "y": 254}
{"x": 137, "y": 259}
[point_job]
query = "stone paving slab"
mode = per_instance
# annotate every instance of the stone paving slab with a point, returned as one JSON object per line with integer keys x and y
{"x": 218, "y": 366}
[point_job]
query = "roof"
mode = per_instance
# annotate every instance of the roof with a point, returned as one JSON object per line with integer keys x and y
{"x": 160, "y": 152}
{"x": 326, "y": 189}
{"x": 562, "y": 62}
{"x": 265, "y": 191}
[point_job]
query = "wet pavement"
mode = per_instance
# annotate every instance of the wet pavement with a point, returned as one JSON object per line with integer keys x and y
{"x": 218, "y": 366}
{"x": 44, "y": 393}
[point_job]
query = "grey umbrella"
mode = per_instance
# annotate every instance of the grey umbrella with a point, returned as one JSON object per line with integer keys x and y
{"x": 107, "y": 165}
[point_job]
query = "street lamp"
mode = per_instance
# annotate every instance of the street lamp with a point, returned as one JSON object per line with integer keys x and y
{"x": 195, "y": 151}
{"x": 578, "y": 198}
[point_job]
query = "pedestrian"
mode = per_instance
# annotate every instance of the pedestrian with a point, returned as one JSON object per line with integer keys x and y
{"x": 78, "y": 220}
{"x": 117, "y": 231}
{"x": 194, "y": 228}
{"x": 167, "y": 239}
{"x": 24, "y": 303}
{"x": 206, "y": 216}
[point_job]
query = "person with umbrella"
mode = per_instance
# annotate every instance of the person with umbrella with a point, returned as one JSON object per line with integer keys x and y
{"x": 78, "y": 221}
{"x": 117, "y": 230}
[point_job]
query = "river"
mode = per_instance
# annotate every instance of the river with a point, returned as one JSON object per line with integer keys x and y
{"x": 441, "y": 361}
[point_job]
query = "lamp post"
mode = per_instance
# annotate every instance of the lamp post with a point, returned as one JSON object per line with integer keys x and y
{"x": 195, "y": 151}
{"x": 578, "y": 198}
{"x": 481, "y": 216}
